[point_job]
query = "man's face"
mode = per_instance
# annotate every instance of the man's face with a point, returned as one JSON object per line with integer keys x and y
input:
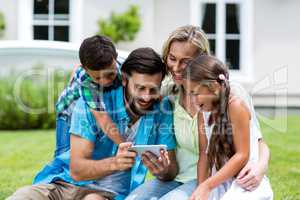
{"x": 142, "y": 90}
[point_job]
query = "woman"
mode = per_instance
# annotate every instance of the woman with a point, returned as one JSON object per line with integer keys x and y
{"x": 184, "y": 44}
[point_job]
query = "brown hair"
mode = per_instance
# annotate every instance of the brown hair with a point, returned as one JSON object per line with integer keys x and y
{"x": 205, "y": 69}
{"x": 97, "y": 52}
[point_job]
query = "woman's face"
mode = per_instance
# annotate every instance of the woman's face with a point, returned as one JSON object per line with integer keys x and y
{"x": 202, "y": 95}
{"x": 179, "y": 55}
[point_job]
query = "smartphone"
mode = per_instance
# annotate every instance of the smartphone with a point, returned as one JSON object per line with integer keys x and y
{"x": 155, "y": 149}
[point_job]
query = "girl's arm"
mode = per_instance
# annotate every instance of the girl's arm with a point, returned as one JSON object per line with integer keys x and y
{"x": 108, "y": 126}
{"x": 202, "y": 172}
{"x": 240, "y": 120}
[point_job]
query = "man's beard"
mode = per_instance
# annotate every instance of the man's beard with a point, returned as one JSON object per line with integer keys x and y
{"x": 131, "y": 102}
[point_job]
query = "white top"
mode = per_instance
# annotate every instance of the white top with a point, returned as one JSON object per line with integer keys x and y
{"x": 255, "y": 133}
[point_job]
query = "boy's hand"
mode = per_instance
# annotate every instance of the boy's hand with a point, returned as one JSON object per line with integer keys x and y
{"x": 201, "y": 192}
{"x": 157, "y": 166}
{"x": 124, "y": 159}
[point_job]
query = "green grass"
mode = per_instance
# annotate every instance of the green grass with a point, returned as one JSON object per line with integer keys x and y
{"x": 23, "y": 153}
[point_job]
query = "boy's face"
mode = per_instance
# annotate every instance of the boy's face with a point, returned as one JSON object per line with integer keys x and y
{"x": 104, "y": 77}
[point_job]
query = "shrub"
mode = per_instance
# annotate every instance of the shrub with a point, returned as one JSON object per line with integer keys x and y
{"x": 29, "y": 108}
{"x": 2, "y": 24}
{"x": 121, "y": 27}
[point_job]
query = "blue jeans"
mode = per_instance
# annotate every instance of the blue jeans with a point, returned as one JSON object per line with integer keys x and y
{"x": 183, "y": 192}
{"x": 156, "y": 189}
{"x": 152, "y": 190}
{"x": 62, "y": 134}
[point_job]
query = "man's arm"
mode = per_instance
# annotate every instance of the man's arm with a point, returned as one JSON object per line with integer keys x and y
{"x": 82, "y": 167}
{"x": 165, "y": 167}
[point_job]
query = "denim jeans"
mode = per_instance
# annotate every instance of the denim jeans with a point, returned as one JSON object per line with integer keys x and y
{"x": 156, "y": 189}
{"x": 182, "y": 192}
{"x": 62, "y": 134}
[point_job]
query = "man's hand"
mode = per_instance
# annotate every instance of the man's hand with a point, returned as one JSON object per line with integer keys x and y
{"x": 158, "y": 166}
{"x": 250, "y": 177}
{"x": 124, "y": 159}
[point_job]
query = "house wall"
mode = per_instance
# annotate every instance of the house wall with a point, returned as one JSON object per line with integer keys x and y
{"x": 276, "y": 43}
{"x": 94, "y": 9}
{"x": 9, "y": 9}
{"x": 169, "y": 15}
{"x": 276, "y": 51}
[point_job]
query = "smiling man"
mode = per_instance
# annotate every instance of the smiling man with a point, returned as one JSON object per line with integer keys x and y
{"x": 95, "y": 168}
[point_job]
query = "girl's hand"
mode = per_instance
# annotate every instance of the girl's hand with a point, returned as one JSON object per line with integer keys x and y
{"x": 201, "y": 192}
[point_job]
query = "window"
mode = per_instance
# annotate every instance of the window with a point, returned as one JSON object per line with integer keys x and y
{"x": 228, "y": 25}
{"x": 51, "y": 20}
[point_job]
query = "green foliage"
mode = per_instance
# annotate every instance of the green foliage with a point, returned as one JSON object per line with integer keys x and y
{"x": 2, "y": 24}
{"x": 30, "y": 104}
{"x": 121, "y": 27}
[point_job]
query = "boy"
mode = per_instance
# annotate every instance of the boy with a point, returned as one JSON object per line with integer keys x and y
{"x": 98, "y": 70}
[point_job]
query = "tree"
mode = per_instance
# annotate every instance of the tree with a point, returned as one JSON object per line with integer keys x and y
{"x": 121, "y": 27}
{"x": 2, "y": 24}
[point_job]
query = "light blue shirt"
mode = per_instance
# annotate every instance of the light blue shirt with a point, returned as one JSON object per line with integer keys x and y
{"x": 155, "y": 127}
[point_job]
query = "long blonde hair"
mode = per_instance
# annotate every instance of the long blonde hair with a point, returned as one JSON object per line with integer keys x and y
{"x": 188, "y": 33}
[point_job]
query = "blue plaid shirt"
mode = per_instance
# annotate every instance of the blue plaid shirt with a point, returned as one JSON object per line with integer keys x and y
{"x": 82, "y": 85}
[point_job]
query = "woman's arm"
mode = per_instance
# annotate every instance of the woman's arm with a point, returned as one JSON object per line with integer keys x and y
{"x": 252, "y": 174}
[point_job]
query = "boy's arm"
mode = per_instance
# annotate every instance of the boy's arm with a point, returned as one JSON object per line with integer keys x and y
{"x": 96, "y": 105}
{"x": 202, "y": 173}
{"x": 108, "y": 126}
{"x": 73, "y": 73}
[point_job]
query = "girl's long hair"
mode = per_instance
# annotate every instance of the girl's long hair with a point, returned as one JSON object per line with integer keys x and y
{"x": 204, "y": 69}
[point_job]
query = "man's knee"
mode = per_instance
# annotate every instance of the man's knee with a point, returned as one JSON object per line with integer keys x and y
{"x": 94, "y": 197}
{"x": 32, "y": 192}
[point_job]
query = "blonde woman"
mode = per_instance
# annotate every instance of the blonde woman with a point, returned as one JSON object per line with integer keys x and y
{"x": 184, "y": 44}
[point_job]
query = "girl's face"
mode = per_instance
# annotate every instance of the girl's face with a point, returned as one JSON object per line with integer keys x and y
{"x": 179, "y": 55}
{"x": 202, "y": 95}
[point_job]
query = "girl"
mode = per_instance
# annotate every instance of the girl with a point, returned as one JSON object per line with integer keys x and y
{"x": 229, "y": 132}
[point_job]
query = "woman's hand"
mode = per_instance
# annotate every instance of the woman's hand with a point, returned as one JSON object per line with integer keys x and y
{"x": 201, "y": 192}
{"x": 250, "y": 176}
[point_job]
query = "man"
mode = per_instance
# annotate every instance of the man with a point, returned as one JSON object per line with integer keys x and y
{"x": 95, "y": 168}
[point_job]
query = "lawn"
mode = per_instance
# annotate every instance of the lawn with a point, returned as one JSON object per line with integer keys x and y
{"x": 23, "y": 153}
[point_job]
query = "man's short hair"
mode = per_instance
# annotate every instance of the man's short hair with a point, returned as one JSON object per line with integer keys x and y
{"x": 144, "y": 61}
{"x": 97, "y": 52}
